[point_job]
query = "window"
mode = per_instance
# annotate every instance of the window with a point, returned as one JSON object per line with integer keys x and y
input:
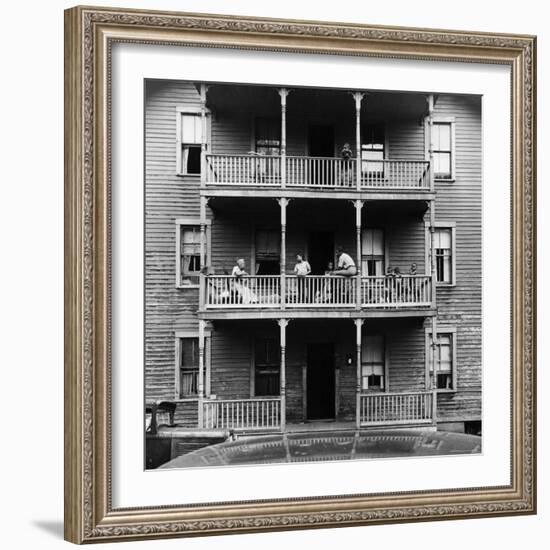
{"x": 188, "y": 249}
{"x": 373, "y": 362}
{"x": 443, "y": 246}
{"x": 188, "y": 367}
{"x": 372, "y": 148}
{"x": 268, "y": 253}
{"x": 268, "y": 136}
{"x": 189, "y": 141}
{"x": 267, "y": 367}
{"x": 372, "y": 252}
{"x": 444, "y": 360}
{"x": 442, "y": 141}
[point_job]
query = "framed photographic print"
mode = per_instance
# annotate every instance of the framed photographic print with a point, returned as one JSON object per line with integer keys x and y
{"x": 299, "y": 274}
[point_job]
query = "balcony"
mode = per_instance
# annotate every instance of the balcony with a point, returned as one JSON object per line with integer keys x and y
{"x": 316, "y": 173}
{"x": 264, "y": 292}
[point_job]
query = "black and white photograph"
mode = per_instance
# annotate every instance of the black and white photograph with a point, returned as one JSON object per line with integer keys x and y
{"x": 313, "y": 274}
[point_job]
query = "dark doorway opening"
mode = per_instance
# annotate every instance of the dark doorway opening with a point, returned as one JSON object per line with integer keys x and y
{"x": 320, "y": 251}
{"x": 320, "y": 381}
{"x": 321, "y": 140}
{"x": 321, "y": 144}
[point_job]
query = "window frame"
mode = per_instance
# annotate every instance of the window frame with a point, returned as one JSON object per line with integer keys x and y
{"x": 180, "y": 144}
{"x": 452, "y": 122}
{"x": 442, "y": 329}
{"x": 179, "y": 336}
{"x": 428, "y": 248}
{"x": 385, "y": 253}
{"x": 190, "y": 222}
{"x": 385, "y": 349}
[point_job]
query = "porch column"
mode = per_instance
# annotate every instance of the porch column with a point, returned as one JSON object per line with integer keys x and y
{"x": 201, "y": 373}
{"x": 282, "y": 326}
{"x": 283, "y": 92}
{"x": 430, "y": 100}
{"x": 283, "y": 203}
{"x": 202, "y": 251}
{"x": 358, "y": 97}
{"x": 358, "y": 335}
{"x": 203, "y": 90}
{"x": 358, "y": 207}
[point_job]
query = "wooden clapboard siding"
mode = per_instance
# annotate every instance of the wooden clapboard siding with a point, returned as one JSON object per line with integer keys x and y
{"x": 405, "y": 139}
{"x": 232, "y": 133}
{"x": 167, "y": 197}
{"x": 230, "y": 366}
{"x": 405, "y": 344}
{"x": 461, "y": 202}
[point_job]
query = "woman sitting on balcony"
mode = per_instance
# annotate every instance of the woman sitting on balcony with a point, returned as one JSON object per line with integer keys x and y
{"x": 241, "y": 291}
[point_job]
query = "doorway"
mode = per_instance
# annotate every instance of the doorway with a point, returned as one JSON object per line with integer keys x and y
{"x": 320, "y": 381}
{"x": 321, "y": 144}
{"x": 321, "y": 140}
{"x": 320, "y": 251}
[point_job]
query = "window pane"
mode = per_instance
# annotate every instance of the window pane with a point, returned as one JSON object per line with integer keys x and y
{"x": 442, "y": 164}
{"x": 189, "y": 352}
{"x": 443, "y": 137}
{"x": 442, "y": 238}
{"x": 191, "y": 128}
{"x": 373, "y": 242}
{"x": 373, "y": 349}
{"x": 192, "y": 160}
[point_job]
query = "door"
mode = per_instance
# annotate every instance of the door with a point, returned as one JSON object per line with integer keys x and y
{"x": 320, "y": 251}
{"x": 320, "y": 381}
{"x": 321, "y": 144}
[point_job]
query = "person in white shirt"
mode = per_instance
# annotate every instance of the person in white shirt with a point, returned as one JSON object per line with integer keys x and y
{"x": 302, "y": 267}
{"x": 301, "y": 270}
{"x": 239, "y": 269}
{"x": 346, "y": 265}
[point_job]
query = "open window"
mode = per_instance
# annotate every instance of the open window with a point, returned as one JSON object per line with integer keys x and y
{"x": 373, "y": 150}
{"x": 188, "y": 251}
{"x": 190, "y": 129}
{"x": 445, "y": 358}
{"x": 187, "y": 365}
{"x": 373, "y": 252}
{"x": 268, "y": 252}
{"x": 373, "y": 362}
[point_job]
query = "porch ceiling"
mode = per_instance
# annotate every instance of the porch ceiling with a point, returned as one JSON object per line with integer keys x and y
{"x": 262, "y": 99}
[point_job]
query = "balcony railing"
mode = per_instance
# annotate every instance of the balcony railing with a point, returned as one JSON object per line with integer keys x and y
{"x": 404, "y": 291}
{"x": 264, "y": 291}
{"x": 316, "y": 172}
{"x": 261, "y": 413}
{"x": 397, "y": 408}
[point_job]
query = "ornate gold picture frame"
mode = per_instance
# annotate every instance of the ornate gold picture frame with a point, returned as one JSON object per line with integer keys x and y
{"x": 90, "y": 34}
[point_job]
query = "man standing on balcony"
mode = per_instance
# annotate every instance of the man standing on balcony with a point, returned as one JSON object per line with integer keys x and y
{"x": 346, "y": 265}
{"x": 301, "y": 270}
